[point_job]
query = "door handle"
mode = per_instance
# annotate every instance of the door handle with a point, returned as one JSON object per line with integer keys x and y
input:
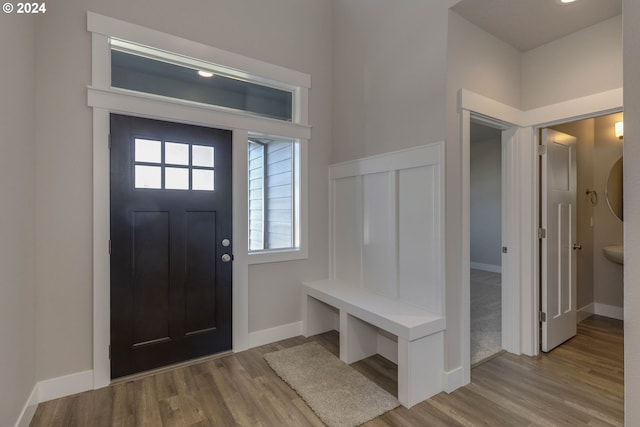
{"x": 226, "y": 257}
{"x": 577, "y": 246}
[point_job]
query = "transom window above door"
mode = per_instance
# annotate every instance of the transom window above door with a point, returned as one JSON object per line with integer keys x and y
{"x": 173, "y": 165}
{"x": 152, "y": 71}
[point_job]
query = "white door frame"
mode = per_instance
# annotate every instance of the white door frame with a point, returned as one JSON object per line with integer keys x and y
{"x": 101, "y": 236}
{"x": 105, "y": 100}
{"x": 522, "y": 337}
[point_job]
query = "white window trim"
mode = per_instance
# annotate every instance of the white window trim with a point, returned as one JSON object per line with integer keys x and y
{"x": 104, "y": 100}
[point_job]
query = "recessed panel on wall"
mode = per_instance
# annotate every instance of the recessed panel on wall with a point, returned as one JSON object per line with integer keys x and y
{"x": 379, "y": 233}
{"x": 347, "y": 229}
{"x": 419, "y": 257}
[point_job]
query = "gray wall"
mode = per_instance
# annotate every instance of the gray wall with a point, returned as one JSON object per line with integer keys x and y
{"x": 584, "y": 132}
{"x": 607, "y": 276}
{"x": 389, "y": 75}
{"x": 564, "y": 69}
{"x": 631, "y": 208}
{"x": 486, "y": 200}
{"x": 17, "y": 237}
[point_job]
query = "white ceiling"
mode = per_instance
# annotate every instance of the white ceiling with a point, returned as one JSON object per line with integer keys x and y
{"x": 527, "y": 24}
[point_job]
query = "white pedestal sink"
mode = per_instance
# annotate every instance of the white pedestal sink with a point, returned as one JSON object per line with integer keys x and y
{"x": 614, "y": 253}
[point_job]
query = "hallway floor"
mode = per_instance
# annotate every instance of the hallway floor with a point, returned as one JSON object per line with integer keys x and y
{"x": 578, "y": 383}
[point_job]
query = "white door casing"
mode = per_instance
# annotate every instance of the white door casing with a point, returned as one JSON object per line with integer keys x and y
{"x": 471, "y": 103}
{"x": 510, "y": 243}
{"x": 558, "y": 260}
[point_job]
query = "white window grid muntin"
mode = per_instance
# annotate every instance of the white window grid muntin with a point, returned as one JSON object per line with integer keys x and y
{"x": 166, "y": 166}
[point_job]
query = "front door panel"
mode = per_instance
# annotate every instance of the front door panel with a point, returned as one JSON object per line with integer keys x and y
{"x": 170, "y": 212}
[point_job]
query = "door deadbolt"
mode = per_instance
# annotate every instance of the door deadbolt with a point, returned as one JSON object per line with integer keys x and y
{"x": 226, "y": 242}
{"x": 226, "y": 257}
{"x": 577, "y": 246}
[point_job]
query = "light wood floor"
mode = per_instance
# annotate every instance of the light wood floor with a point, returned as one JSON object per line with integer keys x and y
{"x": 577, "y": 384}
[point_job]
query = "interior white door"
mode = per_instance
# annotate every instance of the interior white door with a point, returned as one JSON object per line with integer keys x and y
{"x": 559, "y": 183}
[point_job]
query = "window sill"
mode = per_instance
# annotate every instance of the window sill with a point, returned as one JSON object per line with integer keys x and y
{"x": 268, "y": 256}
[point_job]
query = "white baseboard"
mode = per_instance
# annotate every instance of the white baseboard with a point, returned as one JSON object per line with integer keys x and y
{"x": 278, "y": 333}
{"x": 65, "y": 386}
{"x": 452, "y": 380}
{"x": 584, "y": 312}
{"x": 608, "y": 311}
{"x": 54, "y": 388}
{"x": 29, "y": 409}
{"x": 486, "y": 267}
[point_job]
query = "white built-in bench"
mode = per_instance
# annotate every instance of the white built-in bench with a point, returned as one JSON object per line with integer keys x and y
{"x": 386, "y": 289}
{"x": 362, "y": 314}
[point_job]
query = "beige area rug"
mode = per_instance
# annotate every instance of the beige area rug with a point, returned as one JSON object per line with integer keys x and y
{"x": 337, "y": 393}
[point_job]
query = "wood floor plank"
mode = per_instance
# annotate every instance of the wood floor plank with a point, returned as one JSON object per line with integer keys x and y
{"x": 124, "y": 413}
{"x": 579, "y": 383}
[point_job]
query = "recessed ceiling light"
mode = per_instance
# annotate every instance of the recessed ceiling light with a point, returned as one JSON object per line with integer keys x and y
{"x": 566, "y": 1}
{"x": 203, "y": 73}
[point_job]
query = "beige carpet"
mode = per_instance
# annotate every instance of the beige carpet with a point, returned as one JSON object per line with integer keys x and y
{"x": 486, "y": 315}
{"x": 337, "y": 393}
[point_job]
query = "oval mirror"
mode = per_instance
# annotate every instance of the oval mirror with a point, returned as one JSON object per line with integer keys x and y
{"x": 613, "y": 192}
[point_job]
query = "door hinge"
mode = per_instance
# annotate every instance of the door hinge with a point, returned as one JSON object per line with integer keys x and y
{"x": 109, "y": 141}
{"x": 504, "y": 250}
{"x": 109, "y": 246}
{"x": 542, "y": 233}
{"x": 109, "y": 351}
{"x": 542, "y": 150}
{"x": 542, "y": 316}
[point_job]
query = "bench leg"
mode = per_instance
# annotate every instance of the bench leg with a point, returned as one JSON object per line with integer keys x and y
{"x": 358, "y": 339}
{"x": 420, "y": 368}
{"x": 317, "y": 317}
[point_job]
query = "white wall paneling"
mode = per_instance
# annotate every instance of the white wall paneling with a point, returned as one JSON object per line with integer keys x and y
{"x": 420, "y": 275}
{"x": 387, "y": 225}
{"x": 346, "y": 231}
{"x": 379, "y": 252}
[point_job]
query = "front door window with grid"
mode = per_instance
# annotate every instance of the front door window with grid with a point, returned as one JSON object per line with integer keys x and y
{"x": 173, "y": 165}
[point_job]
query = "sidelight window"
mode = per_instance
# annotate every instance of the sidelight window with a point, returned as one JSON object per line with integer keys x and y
{"x": 274, "y": 194}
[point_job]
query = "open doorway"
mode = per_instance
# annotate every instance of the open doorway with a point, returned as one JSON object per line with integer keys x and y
{"x": 599, "y": 277}
{"x": 485, "y": 241}
{"x": 520, "y": 200}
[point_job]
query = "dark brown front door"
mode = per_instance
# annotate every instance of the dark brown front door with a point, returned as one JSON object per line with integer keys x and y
{"x": 170, "y": 243}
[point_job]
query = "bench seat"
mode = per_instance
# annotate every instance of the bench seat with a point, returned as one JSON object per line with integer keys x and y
{"x": 361, "y": 313}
